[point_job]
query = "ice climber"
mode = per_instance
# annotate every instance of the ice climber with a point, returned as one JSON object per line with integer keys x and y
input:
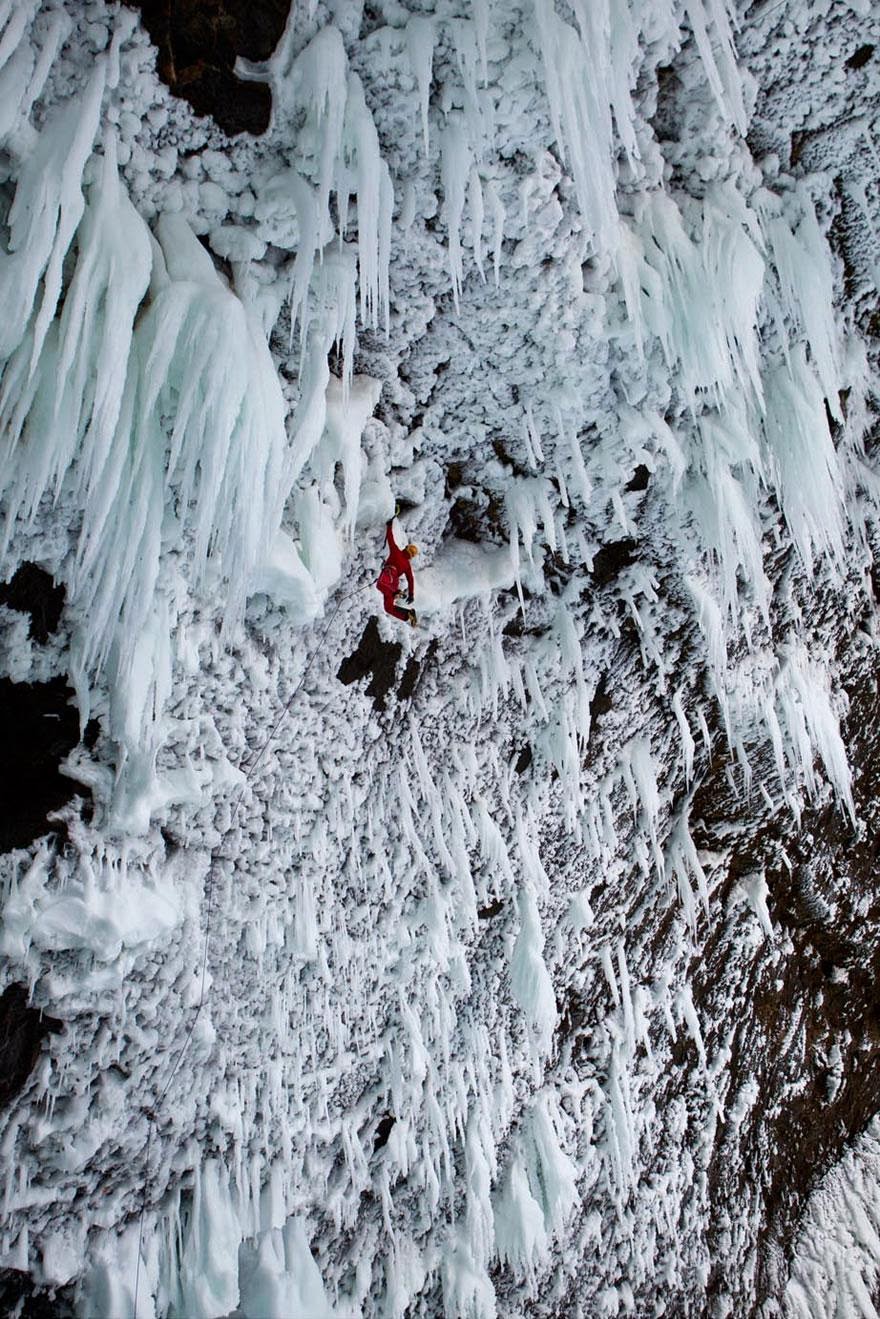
{"x": 396, "y": 566}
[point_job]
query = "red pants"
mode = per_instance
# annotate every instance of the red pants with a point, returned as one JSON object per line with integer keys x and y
{"x": 391, "y": 607}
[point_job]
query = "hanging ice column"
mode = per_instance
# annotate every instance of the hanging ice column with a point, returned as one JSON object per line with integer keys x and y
{"x": 85, "y": 398}
{"x": 151, "y": 404}
{"x": 757, "y": 416}
{"x": 335, "y": 155}
{"x": 587, "y": 71}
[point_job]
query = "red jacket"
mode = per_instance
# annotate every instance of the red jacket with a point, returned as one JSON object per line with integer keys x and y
{"x": 396, "y": 566}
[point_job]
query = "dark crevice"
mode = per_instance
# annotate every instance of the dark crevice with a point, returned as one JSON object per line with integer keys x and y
{"x": 667, "y": 116}
{"x": 600, "y": 702}
{"x": 492, "y": 909}
{"x": 198, "y": 43}
{"x": 611, "y": 559}
{"x": 383, "y": 1131}
{"x": 20, "y": 1297}
{"x": 22, "y": 1031}
{"x": 639, "y": 479}
{"x": 33, "y": 591}
{"x": 40, "y": 727}
{"x": 859, "y": 58}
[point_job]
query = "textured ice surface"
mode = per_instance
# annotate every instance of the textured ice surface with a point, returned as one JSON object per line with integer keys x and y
{"x": 445, "y": 1009}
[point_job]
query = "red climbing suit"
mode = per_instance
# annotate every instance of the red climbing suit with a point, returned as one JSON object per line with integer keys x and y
{"x": 397, "y": 565}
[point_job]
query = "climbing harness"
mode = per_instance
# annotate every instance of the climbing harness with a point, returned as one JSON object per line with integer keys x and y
{"x": 248, "y": 767}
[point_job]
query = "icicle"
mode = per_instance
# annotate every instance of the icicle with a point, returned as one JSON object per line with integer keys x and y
{"x": 688, "y": 746}
{"x": 803, "y": 461}
{"x": 53, "y": 39}
{"x": 467, "y": 1287}
{"x": 374, "y": 197}
{"x": 15, "y": 77}
{"x": 481, "y": 27}
{"x": 532, "y": 869}
{"x": 685, "y": 1003}
{"x": 475, "y": 205}
{"x": 420, "y": 44}
{"x": 620, "y": 1136}
{"x": 455, "y": 165}
{"x": 519, "y": 1221}
{"x": 14, "y": 26}
{"x": 580, "y": 115}
{"x": 317, "y": 82}
{"x": 725, "y": 83}
{"x": 683, "y": 863}
{"x": 534, "y": 439}
{"x": 43, "y": 218}
{"x": 496, "y": 207}
{"x": 209, "y": 1264}
{"x": 625, "y": 50}
{"x": 712, "y": 627}
{"x": 492, "y": 843}
{"x": 803, "y": 697}
{"x": 555, "y": 1178}
{"x": 725, "y": 508}
{"x": 637, "y": 767}
{"x": 530, "y": 981}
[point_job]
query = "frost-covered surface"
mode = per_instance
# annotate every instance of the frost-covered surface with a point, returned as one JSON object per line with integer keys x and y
{"x": 512, "y": 993}
{"x": 838, "y": 1255}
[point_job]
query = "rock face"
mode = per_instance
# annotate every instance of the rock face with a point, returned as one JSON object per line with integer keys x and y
{"x": 524, "y": 963}
{"x": 22, "y": 1031}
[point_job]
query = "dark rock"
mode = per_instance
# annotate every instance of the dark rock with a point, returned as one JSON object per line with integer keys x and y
{"x": 22, "y": 1031}
{"x": 376, "y": 657}
{"x": 198, "y": 43}
{"x": 493, "y": 909}
{"x": 454, "y": 478}
{"x": 21, "y": 1298}
{"x": 573, "y": 1018}
{"x": 859, "y": 58}
{"x": 40, "y": 728}
{"x": 826, "y": 984}
{"x": 601, "y": 702}
{"x": 611, "y": 559}
{"x": 466, "y": 521}
{"x": 33, "y": 591}
{"x": 383, "y": 1131}
{"x": 639, "y": 479}
{"x": 667, "y": 117}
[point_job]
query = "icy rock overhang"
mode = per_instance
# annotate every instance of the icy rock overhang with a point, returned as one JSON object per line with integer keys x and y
{"x": 583, "y": 909}
{"x": 198, "y": 45}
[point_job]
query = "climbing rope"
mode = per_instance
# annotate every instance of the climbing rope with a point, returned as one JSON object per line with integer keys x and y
{"x": 248, "y": 767}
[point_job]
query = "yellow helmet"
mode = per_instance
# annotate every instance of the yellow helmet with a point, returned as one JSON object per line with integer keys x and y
{"x": 412, "y": 550}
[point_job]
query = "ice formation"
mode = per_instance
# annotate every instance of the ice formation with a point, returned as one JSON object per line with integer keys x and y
{"x": 393, "y": 1001}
